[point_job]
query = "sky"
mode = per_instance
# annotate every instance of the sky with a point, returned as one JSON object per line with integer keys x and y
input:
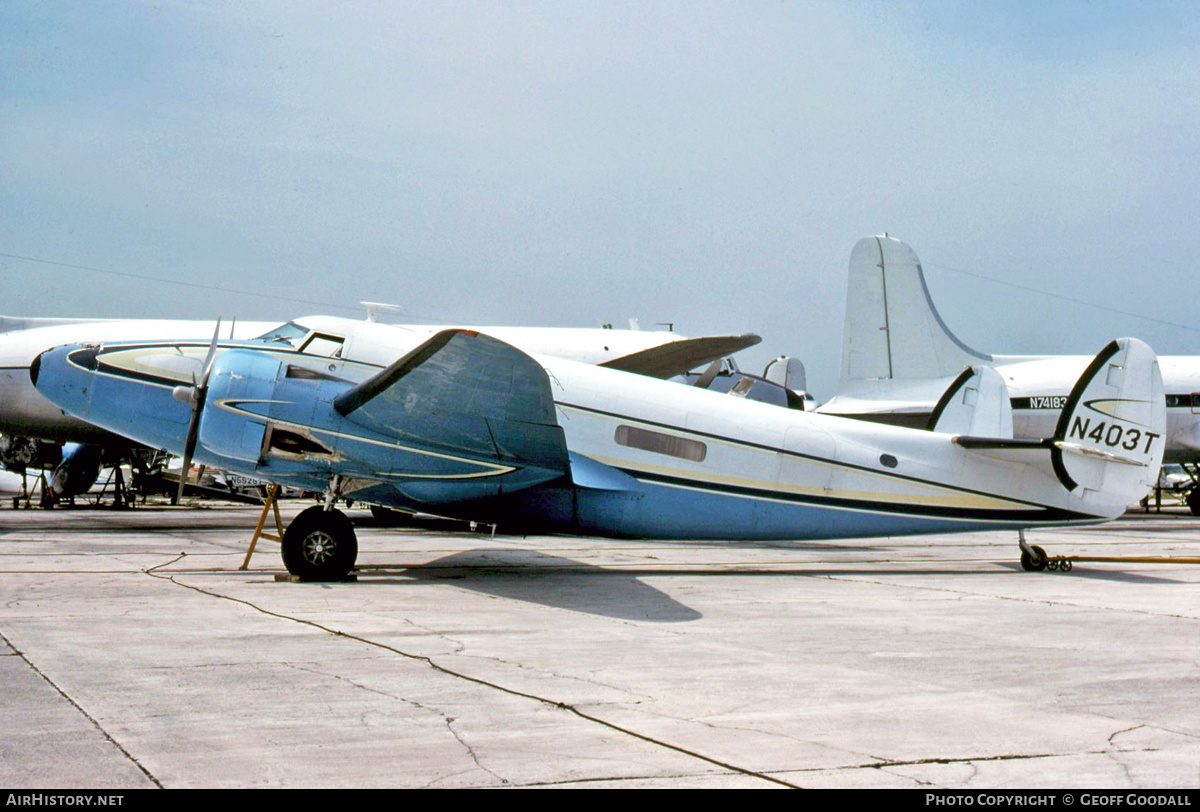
{"x": 707, "y": 164}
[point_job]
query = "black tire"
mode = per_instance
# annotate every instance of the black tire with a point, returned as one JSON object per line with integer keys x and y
{"x": 320, "y": 545}
{"x": 1193, "y": 501}
{"x": 1034, "y": 563}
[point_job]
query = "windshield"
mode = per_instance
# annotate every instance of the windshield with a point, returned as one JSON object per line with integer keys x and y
{"x": 289, "y": 334}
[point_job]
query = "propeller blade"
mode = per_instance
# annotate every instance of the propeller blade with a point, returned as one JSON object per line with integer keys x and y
{"x": 189, "y": 449}
{"x": 198, "y": 395}
{"x": 211, "y": 357}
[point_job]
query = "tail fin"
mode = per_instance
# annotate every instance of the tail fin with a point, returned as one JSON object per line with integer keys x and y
{"x": 1109, "y": 442}
{"x": 1110, "y": 436}
{"x": 976, "y": 404}
{"x": 892, "y": 329}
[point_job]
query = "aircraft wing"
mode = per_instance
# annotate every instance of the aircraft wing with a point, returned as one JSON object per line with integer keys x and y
{"x": 677, "y": 357}
{"x": 465, "y": 392}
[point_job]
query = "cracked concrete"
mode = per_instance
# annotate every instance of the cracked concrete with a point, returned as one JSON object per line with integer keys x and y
{"x": 462, "y": 660}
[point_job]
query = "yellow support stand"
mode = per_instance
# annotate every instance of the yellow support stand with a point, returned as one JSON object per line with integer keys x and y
{"x": 271, "y": 503}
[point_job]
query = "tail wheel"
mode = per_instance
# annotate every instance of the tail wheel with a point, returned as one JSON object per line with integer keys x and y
{"x": 1035, "y": 562}
{"x": 320, "y": 545}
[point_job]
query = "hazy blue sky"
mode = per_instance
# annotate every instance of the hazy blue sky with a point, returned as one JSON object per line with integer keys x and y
{"x": 561, "y": 163}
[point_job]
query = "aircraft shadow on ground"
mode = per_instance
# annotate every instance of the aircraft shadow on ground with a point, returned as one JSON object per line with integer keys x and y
{"x": 548, "y": 580}
{"x": 564, "y": 583}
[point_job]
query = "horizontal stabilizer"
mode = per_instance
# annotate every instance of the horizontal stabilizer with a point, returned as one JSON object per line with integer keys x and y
{"x": 1002, "y": 444}
{"x": 1013, "y": 450}
{"x": 1096, "y": 453}
{"x": 467, "y": 393}
{"x": 677, "y": 357}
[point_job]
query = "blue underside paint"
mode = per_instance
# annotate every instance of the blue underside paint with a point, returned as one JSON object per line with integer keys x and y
{"x": 667, "y": 512}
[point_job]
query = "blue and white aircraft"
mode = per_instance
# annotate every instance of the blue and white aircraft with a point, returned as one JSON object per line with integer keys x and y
{"x": 467, "y": 425}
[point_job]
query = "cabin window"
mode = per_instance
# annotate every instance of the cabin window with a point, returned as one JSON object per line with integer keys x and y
{"x": 660, "y": 443}
{"x": 1184, "y": 402}
{"x": 888, "y": 461}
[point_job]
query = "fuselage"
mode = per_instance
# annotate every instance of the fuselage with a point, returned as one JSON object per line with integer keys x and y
{"x": 647, "y": 458}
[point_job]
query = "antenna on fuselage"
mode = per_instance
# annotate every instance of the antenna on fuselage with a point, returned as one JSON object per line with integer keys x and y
{"x": 373, "y": 308}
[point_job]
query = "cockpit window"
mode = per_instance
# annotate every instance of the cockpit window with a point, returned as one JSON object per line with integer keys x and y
{"x": 324, "y": 344}
{"x": 301, "y": 338}
{"x": 289, "y": 334}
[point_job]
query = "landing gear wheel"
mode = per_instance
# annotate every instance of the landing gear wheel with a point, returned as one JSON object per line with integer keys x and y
{"x": 1034, "y": 563}
{"x": 320, "y": 545}
{"x": 1193, "y": 501}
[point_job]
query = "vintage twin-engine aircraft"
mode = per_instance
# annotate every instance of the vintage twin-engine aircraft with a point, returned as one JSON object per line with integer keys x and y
{"x": 898, "y": 356}
{"x": 26, "y": 414}
{"x": 466, "y": 425}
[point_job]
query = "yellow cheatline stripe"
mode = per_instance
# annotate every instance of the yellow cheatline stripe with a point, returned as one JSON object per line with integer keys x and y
{"x": 951, "y": 498}
{"x": 930, "y": 493}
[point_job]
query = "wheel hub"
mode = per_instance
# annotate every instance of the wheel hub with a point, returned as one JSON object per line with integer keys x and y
{"x": 319, "y": 547}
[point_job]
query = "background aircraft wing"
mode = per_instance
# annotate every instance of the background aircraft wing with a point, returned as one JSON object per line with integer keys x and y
{"x": 677, "y": 357}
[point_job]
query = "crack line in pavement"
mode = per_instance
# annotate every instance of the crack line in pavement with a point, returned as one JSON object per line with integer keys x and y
{"x": 95, "y": 723}
{"x": 450, "y": 672}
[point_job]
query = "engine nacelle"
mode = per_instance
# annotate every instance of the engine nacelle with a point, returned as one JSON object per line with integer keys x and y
{"x": 241, "y": 391}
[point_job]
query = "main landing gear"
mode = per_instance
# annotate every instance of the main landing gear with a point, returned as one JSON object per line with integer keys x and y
{"x": 320, "y": 545}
